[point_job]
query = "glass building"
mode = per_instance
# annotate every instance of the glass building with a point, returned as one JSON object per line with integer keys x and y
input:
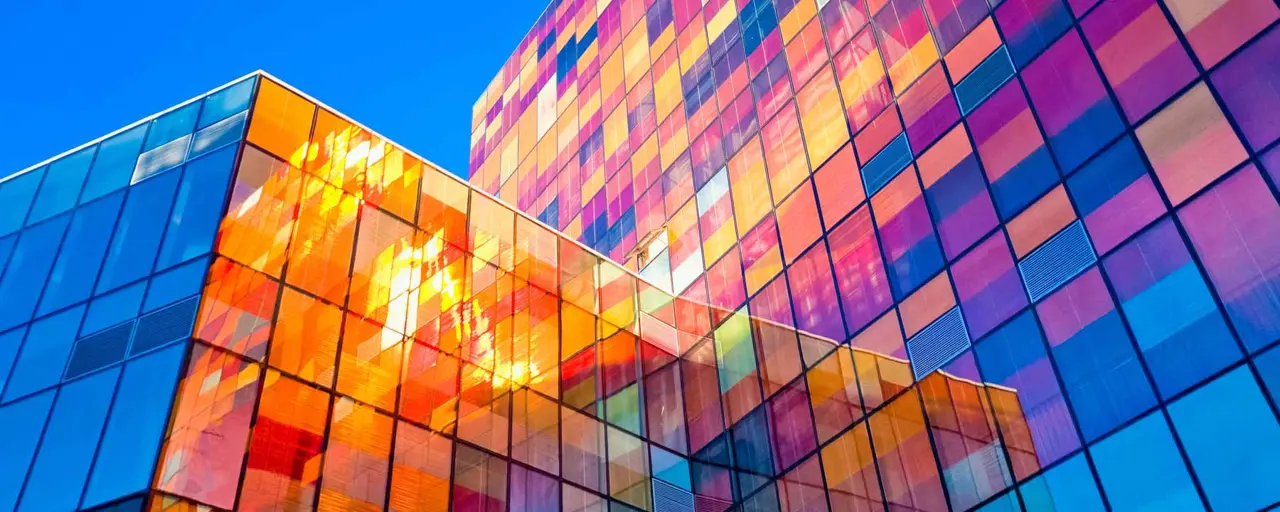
{"x": 1074, "y": 201}
{"x": 251, "y": 302}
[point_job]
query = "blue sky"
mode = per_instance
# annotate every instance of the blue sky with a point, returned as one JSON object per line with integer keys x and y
{"x": 411, "y": 70}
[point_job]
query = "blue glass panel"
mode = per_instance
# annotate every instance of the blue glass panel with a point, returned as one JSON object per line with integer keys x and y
{"x": 886, "y": 165}
{"x": 6, "y": 249}
{"x": 62, "y": 464}
{"x": 1103, "y": 376}
{"x": 114, "y": 163}
{"x": 1233, "y": 441}
{"x": 16, "y": 196}
{"x": 9, "y": 344}
{"x": 197, "y": 209}
{"x": 113, "y": 308}
{"x": 984, "y": 80}
{"x": 20, "y": 426}
{"x": 176, "y": 284}
{"x": 44, "y": 354}
{"x": 1068, "y": 486}
{"x": 222, "y": 104}
{"x": 78, "y": 262}
{"x": 132, "y": 438}
{"x": 1024, "y": 183}
{"x": 1006, "y": 503}
{"x": 1140, "y": 469}
{"x": 61, "y": 186}
{"x": 1178, "y": 327}
{"x": 1269, "y": 368}
{"x": 27, "y": 270}
{"x": 1057, "y": 261}
{"x": 751, "y": 451}
{"x": 172, "y": 126}
{"x": 220, "y": 134}
{"x": 161, "y": 159}
{"x": 938, "y": 343}
{"x": 137, "y": 236}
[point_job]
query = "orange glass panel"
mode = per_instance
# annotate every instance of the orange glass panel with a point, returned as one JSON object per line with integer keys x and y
{"x": 839, "y": 185}
{"x": 356, "y": 459}
{"x": 927, "y": 304}
{"x": 821, "y": 116}
{"x": 260, "y": 214}
{"x": 320, "y": 253}
{"x": 972, "y": 50}
{"x": 393, "y": 182}
{"x": 285, "y": 448}
{"x": 369, "y": 367}
{"x": 798, "y": 222}
{"x": 443, "y": 209}
{"x": 387, "y": 266}
{"x": 484, "y": 409}
{"x": 420, "y": 470}
{"x": 1190, "y": 144}
{"x": 429, "y": 388}
{"x": 236, "y": 309}
{"x": 305, "y": 342}
{"x": 281, "y": 122}
{"x": 1041, "y": 220}
{"x": 204, "y": 451}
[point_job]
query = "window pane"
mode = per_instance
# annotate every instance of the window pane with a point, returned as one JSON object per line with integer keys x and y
{"x": 20, "y": 427}
{"x": 286, "y": 446}
{"x": 10, "y": 342}
{"x": 197, "y": 208}
{"x": 1037, "y": 425}
{"x": 320, "y": 254}
{"x": 357, "y": 459}
{"x": 113, "y": 308}
{"x": 1233, "y": 441}
{"x": 44, "y": 354}
{"x": 16, "y": 196}
{"x": 204, "y": 452}
{"x": 176, "y": 284}
{"x": 281, "y": 122}
{"x": 114, "y": 164}
{"x": 222, "y": 104}
{"x": 126, "y": 458}
{"x": 420, "y": 475}
{"x": 260, "y": 214}
{"x": 1235, "y": 228}
{"x": 62, "y": 465}
{"x": 27, "y": 270}
{"x": 171, "y": 126}
{"x": 61, "y": 186}
{"x": 1140, "y": 469}
{"x": 237, "y": 308}
{"x": 137, "y": 236}
{"x": 74, "y": 273}
{"x": 1097, "y": 362}
{"x": 1068, "y": 486}
{"x": 1179, "y": 329}
{"x": 306, "y": 337}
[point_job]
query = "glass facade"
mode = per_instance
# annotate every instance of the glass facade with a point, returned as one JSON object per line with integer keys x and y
{"x": 250, "y": 302}
{"x": 1072, "y": 201}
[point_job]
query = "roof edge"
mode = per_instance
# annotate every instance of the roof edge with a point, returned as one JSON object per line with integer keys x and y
{"x": 130, "y": 126}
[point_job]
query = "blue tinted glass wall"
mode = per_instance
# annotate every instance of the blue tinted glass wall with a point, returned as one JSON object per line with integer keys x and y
{"x": 101, "y": 253}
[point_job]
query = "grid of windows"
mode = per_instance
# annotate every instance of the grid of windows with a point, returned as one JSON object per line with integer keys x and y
{"x": 371, "y": 333}
{"x": 102, "y": 254}
{"x": 1074, "y": 199}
